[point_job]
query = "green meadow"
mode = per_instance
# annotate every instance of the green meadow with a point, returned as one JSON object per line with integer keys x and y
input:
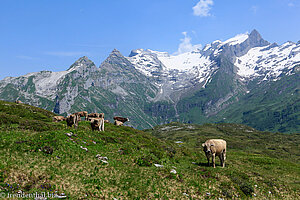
{"x": 38, "y": 155}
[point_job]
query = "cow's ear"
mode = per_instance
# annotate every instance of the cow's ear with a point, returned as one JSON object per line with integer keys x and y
{"x": 203, "y": 144}
{"x": 212, "y": 145}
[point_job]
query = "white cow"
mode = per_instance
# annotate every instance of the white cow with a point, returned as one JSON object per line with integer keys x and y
{"x": 215, "y": 147}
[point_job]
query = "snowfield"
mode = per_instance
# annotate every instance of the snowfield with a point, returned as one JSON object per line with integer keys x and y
{"x": 272, "y": 60}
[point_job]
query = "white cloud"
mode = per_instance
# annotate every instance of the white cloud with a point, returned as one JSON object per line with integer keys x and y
{"x": 25, "y": 57}
{"x": 186, "y": 45}
{"x": 202, "y": 8}
{"x": 66, "y": 53}
{"x": 254, "y": 9}
{"x": 291, "y": 4}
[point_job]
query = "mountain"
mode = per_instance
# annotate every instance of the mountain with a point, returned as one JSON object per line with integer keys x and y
{"x": 238, "y": 80}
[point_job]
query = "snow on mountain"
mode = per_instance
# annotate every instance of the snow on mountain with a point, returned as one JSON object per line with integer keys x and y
{"x": 177, "y": 71}
{"x": 238, "y": 39}
{"x": 149, "y": 61}
{"x": 185, "y": 61}
{"x": 255, "y": 57}
{"x": 269, "y": 61}
{"x": 146, "y": 61}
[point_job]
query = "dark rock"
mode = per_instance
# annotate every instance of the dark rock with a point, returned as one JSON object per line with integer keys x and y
{"x": 47, "y": 150}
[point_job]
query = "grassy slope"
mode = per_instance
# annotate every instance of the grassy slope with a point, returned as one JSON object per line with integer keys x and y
{"x": 27, "y": 134}
{"x": 272, "y": 106}
{"x": 268, "y": 160}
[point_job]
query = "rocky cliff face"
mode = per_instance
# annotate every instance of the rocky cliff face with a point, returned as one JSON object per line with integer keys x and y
{"x": 150, "y": 87}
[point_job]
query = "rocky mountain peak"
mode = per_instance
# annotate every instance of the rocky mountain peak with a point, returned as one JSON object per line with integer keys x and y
{"x": 115, "y": 53}
{"x": 255, "y": 33}
{"x": 256, "y": 40}
{"x": 82, "y": 61}
{"x": 116, "y": 62}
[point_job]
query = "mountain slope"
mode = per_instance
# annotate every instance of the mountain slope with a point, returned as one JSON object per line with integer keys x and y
{"x": 273, "y": 106}
{"x": 49, "y": 157}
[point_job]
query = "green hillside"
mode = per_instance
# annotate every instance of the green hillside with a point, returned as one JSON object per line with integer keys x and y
{"x": 38, "y": 155}
{"x": 272, "y": 106}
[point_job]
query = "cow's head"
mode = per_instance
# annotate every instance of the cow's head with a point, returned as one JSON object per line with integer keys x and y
{"x": 207, "y": 147}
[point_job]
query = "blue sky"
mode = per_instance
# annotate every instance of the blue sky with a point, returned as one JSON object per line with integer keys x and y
{"x": 52, "y": 34}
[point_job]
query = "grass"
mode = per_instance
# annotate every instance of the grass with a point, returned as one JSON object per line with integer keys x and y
{"x": 41, "y": 157}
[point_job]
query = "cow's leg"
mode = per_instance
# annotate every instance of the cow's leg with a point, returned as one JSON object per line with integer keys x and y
{"x": 214, "y": 160}
{"x": 207, "y": 156}
{"x": 76, "y": 122}
{"x": 221, "y": 159}
{"x": 224, "y": 158}
{"x": 102, "y": 124}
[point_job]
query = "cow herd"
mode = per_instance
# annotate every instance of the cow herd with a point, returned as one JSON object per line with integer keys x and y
{"x": 211, "y": 148}
{"x": 96, "y": 119}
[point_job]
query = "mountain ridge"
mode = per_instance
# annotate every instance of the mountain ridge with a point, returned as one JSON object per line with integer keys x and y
{"x": 191, "y": 87}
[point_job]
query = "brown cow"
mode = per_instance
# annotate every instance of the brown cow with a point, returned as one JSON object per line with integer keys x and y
{"x": 118, "y": 123}
{"x": 97, "y": 124}
{"x": 72, "y": 120}
{"x": 83, "y": 114}
{"x": 215, "y": 147}
{"x": 18, "y": 101}
{"x": 59, "y": 118}
{"x": 95, "y": 115}
{"x": 121, "y": 119}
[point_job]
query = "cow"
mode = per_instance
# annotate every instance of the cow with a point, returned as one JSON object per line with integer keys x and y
{"x": 73, "y": 120}
{"x": 95, "y": 115}
{"x": 97, "y": 124}
{"x": 213, "y": 148}
{"x": 82, "y": 114}
{"x": 18, "y": 102}
{"x": 118, "y": 123}
{"x": 121, "y": 119}
{"x": 59, "y": 118}
{"x": 106, "y": 121}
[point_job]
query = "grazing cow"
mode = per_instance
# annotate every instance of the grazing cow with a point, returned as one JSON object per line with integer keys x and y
{"x": 83, "y": 114}
{"x": 18, "y": 101}
{"x": 93, "y": 115}
{"x": 73, "y": 120}
{"x": 215, "y": 147}
{"x": 97, "y": 124}
{"x": 118, "y": 123}
{"x": 106, "y": 121}
{"x": 59, "y": 118}
{"x": 121, "y": 119}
